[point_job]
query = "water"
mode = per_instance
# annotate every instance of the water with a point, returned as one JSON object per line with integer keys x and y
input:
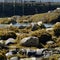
{"x": 23, "y": 24}
{"x": 3, "y": 25}
{"x": 48, "y": 25}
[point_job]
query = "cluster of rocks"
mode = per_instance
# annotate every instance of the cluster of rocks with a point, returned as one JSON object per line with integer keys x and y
{"x": 40, "y": 53}
{"x": 7, "y": 42}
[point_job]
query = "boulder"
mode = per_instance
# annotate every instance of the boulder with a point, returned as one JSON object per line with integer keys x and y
{"x": 9, "y": 41}
{"x": 30, "y": 41}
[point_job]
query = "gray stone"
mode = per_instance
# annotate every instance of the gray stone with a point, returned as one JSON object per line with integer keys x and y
{"x": 32, "y": 58}
{"x": 39, "y": 52}
{"x": 9, "y": 41}
{"x": 14, "y": 58}
{"x": 30, "y": 41}
{"x": 9, "y": 53}
{"x": 35, "y": 26}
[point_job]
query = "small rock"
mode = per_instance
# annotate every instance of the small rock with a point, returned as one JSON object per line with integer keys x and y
{"x": 1, "y": 41}
{"x": 35, "y": 27}
{"x": 9, "y": 54}
{"x": 14, "y": 58}
{"x": 50, "y": 42}
{"x": 40, "y": 23}
{"x": 9, "y": 41}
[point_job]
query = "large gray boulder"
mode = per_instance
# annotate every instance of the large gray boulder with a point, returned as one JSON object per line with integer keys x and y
{"x": 30, "y": 41}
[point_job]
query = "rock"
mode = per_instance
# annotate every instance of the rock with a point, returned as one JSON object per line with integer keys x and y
{"x": 47, "y": 53}
{"x": 50, "y": 42}
{"x": 22, "y": 51}
{"x": 9, "y": 25}
{"x": 44, "y": 37}
{"x": 31, "y": 53}
{"x": 14, "y": 58}
{"x": 49, "y": 29}
{"x": 30, "y": 41}
{"x": 16, "y": 49}
{"x": 22, "y": 27}
{"x": 9, "y": 41}
{"x": 35, "y": 27}
{"x": 9, "y": 53}
{"x": 40, "y": 23}
{"x": 1, "y": 41}
{"x": 49, "y": 11}
{"x": 58, "y": 8}
{"x": 32, "y": 58}
{"x": 39, "y": 52}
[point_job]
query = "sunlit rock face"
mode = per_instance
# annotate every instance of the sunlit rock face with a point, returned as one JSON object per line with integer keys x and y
{"x": 30, "y": 41}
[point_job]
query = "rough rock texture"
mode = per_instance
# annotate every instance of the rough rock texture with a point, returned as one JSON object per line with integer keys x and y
{"x": 30, "y": 41}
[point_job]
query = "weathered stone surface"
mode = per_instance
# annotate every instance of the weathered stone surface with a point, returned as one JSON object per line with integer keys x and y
{"x": 30, "y": 41}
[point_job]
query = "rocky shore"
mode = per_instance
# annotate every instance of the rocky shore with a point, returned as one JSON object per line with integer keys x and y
{"x": 33, "y": 37}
